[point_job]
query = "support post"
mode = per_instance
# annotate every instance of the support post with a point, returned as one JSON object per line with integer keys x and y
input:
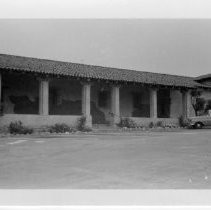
{"x": 86, "y": 101}
{"x": 153, "y": 103}
{"x": 1, "y": 105}
{"x": 115, "y": 104}
{"x": 44, "y": 97}
{"x": 186, "y": 100}
{"x": 0, "y": 88}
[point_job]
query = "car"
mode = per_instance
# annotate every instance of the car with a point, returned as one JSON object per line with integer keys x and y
{"x": 200, "y": 121}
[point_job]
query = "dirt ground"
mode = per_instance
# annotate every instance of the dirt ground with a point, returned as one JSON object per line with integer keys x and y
{"x": 147, "y": 160}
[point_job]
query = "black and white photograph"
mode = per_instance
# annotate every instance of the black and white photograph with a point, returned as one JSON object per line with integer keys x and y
{"x": 105, "y": 103}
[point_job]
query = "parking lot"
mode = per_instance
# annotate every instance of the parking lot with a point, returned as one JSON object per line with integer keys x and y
{"x": 146, "y": 160}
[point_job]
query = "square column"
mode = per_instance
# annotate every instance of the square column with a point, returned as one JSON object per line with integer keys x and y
{"x": 44, "y": 97}
{"x": 86, "y": 101}
{"x": 115, "y": 110}
{"x": 186, "y": 100}
{"x": 153, "y": 103}
{"x": 0, "y": 88}
{"x": 1, "y": 105}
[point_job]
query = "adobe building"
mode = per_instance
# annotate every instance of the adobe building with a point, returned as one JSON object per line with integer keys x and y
{"x": 42, "y": 92}
{"x": 206, "y": 80}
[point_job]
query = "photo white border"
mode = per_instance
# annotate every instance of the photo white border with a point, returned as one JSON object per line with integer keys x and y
{"x": 105, "y": 9}
{"x": 100, "y": 199}
{"x": 105, "y": 197}
{"x": 103, "y": 208}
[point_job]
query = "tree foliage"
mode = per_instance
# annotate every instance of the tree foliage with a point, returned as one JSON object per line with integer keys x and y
{"x": 198, "y": 103}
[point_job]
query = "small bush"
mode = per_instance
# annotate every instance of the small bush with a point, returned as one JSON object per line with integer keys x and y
{"x": 127, "y": 122}
{"x": 183, "y": 122}
{"x": 159, "y": 124}
{"x": 86, "y": 129}
{"x": 82, "y": 125}
{"x": 151, "y": 125}
{"x": 60, "y": 128}
{"x": 17, "y": 127}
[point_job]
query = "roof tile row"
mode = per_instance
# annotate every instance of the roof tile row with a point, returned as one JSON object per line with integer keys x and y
{"x": 44, "y": 66}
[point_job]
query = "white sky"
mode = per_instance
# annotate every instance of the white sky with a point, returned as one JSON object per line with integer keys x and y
{"x": 173, "y": 46}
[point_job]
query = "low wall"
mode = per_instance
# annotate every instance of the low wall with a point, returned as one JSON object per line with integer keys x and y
{"x": 38, "y": 121}
{"x": 146, "y": 121}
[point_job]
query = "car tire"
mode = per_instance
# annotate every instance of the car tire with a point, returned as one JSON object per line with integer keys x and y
{"x": 198, "y": 125}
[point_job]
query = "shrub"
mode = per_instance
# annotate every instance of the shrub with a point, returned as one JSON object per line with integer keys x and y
{"x": 208, "y": 105}
{"x": 183, "y": 122}
{"x": 151, "y": 125}
{"x": 127, "y": 122}
{"x": 60, "y": 128}
{"x": 82, "y": 125}
{"x": 86, "y": 129}
{"x": 197, "y": 101}
{"x": 159, "y": 124}
{"x": 17, "y": 127}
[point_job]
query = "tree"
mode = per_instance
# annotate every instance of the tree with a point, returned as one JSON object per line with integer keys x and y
{"x": 208, "y": 105}
{"x": 197, "y": 102}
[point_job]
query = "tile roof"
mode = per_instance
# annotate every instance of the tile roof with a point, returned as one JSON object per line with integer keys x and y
{"x": 203, "y": 77}
{"x": 27, "y": 64}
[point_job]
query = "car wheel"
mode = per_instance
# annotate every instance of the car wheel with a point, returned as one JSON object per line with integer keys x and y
{"x": 198, "y": 125}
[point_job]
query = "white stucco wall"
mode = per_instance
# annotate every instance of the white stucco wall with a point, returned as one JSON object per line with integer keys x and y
{"x": 146, "y": 121}
{"x": 38, "y": 121}
{"x": 176, "y": 104}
